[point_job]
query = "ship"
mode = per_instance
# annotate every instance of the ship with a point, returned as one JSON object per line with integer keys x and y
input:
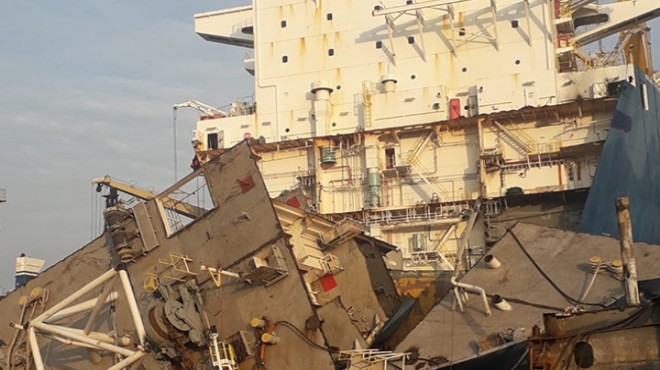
{"x": 404, "y": 116}
{"x": 173, "y": 275}
{"x": 386, "y": 145}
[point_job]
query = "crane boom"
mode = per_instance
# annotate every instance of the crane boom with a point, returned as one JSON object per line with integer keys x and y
{"x": 201, "y": 107}
{"x": 182, "y": 208}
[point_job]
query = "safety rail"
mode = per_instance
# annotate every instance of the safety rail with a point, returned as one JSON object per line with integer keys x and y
{"x": 416, "y": 214}
{"x": 359, "y": 358}
{"x": 222, "y": 354}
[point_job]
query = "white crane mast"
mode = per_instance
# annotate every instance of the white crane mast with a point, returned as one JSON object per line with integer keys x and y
{"x": 205, "y": 109}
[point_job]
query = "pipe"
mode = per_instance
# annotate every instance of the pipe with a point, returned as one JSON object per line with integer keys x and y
{"x": 81, "y": 338}
{"x": 627, "y": 253}
{"x": 120, "y": 341}
{"x": 97, "y": 309}
{"x": 68, "y": 341}
{"x": 135, "y": 313}
{"x": 257, "y": 323}
{"x": 492, "y": 262}
{"x": 81, "y": 307}
{"x": 459, "y": 256}
{"x": 128, "y": 360}
{"x": 459, "y": 299}
{"x": 501, "y": 303}
{"x": 474, "y": 289}
{"x": 436, "y": 222}
{"x": 34, "y": 348}
{"x": 270, "y": 338}
{"x": 72, "y": 298}
{"x": 593, "y": 278}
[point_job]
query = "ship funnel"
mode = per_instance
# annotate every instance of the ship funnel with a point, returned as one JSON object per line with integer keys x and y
{"x": 27, "y": 268}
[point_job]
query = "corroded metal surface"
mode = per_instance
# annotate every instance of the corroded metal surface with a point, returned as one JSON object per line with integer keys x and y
{"x": 278, "y": 274}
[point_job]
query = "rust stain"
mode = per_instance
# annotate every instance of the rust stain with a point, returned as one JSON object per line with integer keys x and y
{"x": 415, "y": 284}
{"x": 324, "y": 41}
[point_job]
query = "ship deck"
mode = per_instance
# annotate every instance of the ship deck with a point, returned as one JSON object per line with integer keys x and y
{"x": 562, "y": 256}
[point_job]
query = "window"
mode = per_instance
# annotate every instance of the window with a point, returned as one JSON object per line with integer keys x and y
{"x": 390, "y": 158}
{"x": 411, "y": 39}
{"x": 331, "y": 52}
{"x": 379, "y": 44}
{"x": 285, "y": 59}
{"x": 328, "y": 16}
{"x": 283, "y": 24}
{"x": 212, "y": 141}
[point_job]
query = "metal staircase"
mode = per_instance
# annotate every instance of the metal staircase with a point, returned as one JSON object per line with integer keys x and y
{"x": 519, "y": 140}
{"x": 412, "y": 158}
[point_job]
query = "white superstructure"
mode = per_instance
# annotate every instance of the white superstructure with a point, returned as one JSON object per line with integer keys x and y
{"x": 403, "y": 114}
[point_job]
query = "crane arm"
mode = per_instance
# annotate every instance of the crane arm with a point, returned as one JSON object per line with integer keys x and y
{"x": 201, "y": 107}
{"x": 182, "y": 208}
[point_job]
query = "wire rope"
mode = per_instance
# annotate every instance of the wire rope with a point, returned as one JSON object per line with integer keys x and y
{"x": 547, "y": 278}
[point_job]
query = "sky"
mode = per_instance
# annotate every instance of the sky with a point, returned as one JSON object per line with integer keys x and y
{"x": 86, "y": 89}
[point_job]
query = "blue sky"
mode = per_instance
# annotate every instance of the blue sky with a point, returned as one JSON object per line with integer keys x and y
{"x": 86, "y": 89}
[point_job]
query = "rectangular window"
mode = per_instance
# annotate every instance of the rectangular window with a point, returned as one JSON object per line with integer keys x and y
{"x": 182, "y": 205}
{"x": 212, "y": 141}
{"x": 390, "y": 158}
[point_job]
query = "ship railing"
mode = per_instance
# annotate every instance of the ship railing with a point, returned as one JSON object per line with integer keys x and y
{"x": 428, "y": 257}
{"x": 369, "y": 357}
{"x": 241, "y": 106}
{"x": 442, "y": 212}
{"x": 553, "y": 146}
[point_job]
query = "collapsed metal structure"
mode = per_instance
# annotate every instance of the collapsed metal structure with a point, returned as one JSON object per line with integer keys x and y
{"x": 210, "y": 272}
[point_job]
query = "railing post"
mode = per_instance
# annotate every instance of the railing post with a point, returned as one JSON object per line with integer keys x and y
{"x": 627, "y": 253}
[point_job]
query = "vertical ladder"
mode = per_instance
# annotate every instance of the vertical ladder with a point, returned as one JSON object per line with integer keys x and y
{"x": 222, "y": 354}
{"x": 367, "y": 93}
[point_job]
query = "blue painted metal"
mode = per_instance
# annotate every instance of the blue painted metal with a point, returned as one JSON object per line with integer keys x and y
{"x": 629, "y": 165}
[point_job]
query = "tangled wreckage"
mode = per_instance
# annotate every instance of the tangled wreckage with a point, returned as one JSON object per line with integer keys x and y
{"x": 213, "y": 274}
{"x": 219, "y": 277}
